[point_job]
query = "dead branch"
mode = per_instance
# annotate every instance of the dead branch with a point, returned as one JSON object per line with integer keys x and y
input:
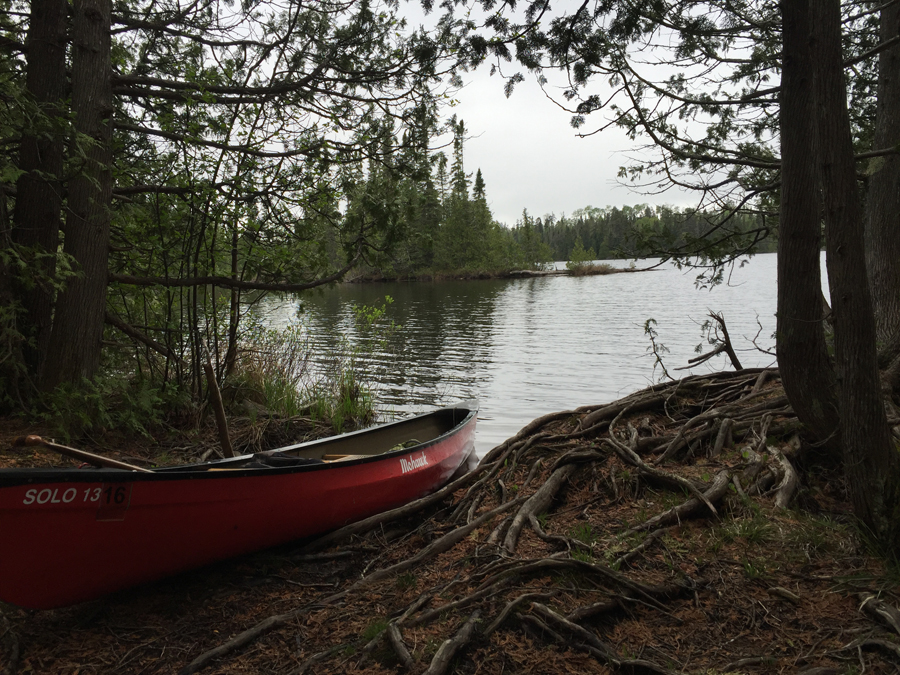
{"x": 400, "y": 512}
{"x": 639, "y": 404}
{"x": 892, "y": 647}
{"x": 880, "y": 610}
{"x": 629, "y": 456}
{"x": 480, "y": 594}
{"x": 436, "y": 547}
{"x": 707, "y": 416}
{"x": 719, "y": 318}
{"x": 315, "y": 658}
{"x": 530, "y": 622}
{"x": 640, "y": 548}
{"x": 440, "y": 664}
{"x": 761, "y": 380}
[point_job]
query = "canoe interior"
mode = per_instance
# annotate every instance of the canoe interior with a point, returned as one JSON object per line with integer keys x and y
{"x": 354, "y": 447}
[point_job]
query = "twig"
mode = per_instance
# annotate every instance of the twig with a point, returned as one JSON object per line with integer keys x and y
{"x": 237, "y": 642}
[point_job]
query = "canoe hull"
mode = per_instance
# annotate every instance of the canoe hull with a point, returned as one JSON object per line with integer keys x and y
{"x": 90, "y": 532}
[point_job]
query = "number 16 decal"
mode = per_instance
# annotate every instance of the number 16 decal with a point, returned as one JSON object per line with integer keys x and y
{"x": 114, "y": 501}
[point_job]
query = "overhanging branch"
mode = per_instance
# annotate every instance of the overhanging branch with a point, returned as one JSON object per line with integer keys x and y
{"x": 228, "y": 282}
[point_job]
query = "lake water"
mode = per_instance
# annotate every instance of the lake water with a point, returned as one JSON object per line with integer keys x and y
{"x": 527, "y": 347}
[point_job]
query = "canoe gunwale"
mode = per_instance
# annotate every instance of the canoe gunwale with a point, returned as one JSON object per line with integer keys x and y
{"x": 201, "y": 471}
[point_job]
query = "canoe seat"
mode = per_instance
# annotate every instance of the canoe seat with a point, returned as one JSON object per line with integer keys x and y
{"x": 340, "y": 458}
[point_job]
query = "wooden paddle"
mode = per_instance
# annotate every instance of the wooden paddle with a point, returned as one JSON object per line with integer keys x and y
{"x": 89, "y": 457}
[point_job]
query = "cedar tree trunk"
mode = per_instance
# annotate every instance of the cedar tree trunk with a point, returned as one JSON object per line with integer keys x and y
{"x": 39, "y": 189}
{"x": 883, "y": 199}
{"x": 872, "y": 463}
{"x": 803, "y": 359}
{"x": 75, "y": 340}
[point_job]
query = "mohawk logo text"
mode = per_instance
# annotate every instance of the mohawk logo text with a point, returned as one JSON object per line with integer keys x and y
{"x": 413, "y": 463}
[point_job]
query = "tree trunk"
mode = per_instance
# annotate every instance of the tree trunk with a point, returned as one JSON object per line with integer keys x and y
{"x": 803, "y": 360}
{"x": 75, "y": 341}
{"x": 871, "y": 461}
{"x": 39, "y": 189}
{"x": 883, "y": 199}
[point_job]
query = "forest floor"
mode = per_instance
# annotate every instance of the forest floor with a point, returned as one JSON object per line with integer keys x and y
{"x": 682, "y": 529}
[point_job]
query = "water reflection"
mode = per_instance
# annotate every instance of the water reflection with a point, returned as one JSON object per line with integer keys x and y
{"x": 526, "y": 347}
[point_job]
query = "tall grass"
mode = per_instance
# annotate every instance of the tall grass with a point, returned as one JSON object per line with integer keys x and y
{"x": 275, "y": 375}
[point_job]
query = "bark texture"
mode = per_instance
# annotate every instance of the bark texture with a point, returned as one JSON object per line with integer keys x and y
{"x": 802, "y": 354}
{"x": 871, "y": 461}
{"x": 39, "y": 189}
{"x": 75, "y": 339}
{"x": 883, "y": 199}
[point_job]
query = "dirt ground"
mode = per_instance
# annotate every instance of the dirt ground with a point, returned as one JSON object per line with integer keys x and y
{"x": 687, "y": 528}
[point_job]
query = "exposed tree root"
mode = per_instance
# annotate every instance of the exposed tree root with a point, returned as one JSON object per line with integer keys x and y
{"x": 730, "y": 420}
{"x": 571, "y": 541}
{"x": 440, "y": 664}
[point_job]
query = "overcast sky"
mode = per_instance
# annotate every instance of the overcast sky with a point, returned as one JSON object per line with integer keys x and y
{"x": 531, "y": 157}
{"x": 529, "y": 154}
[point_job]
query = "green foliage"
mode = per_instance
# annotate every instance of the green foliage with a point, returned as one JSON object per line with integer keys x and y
{"x": 23, "y": 268}
{"x": 656, "y": 348}
{"x": 584, "y": 533}
{"x": 130, "y": 405}
{"x": 406, "y": 581}
{"x": 374, "y": 629}
{"x": 272, "y": 370}
{"x": 580, "y": 257}
{"x": 583, "y": 556}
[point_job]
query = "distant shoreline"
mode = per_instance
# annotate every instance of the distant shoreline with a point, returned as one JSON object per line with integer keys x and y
{"x": 583, "y": 271}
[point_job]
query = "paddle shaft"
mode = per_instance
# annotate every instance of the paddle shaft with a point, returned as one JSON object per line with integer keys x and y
{"x": 89, "y": 457}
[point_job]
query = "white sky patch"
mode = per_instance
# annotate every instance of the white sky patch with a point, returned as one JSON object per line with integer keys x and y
{"x": 530, "y": 155}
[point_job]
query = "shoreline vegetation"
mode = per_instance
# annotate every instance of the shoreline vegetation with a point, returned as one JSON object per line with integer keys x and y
{"x": 683, "y": 528}
{"x": 573, "y": 270}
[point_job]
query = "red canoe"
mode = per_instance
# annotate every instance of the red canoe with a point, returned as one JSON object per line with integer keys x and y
{"x": 70, "y": 535}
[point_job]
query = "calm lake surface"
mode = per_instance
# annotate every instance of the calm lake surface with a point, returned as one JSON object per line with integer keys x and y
{"x": 528, "y": 347}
